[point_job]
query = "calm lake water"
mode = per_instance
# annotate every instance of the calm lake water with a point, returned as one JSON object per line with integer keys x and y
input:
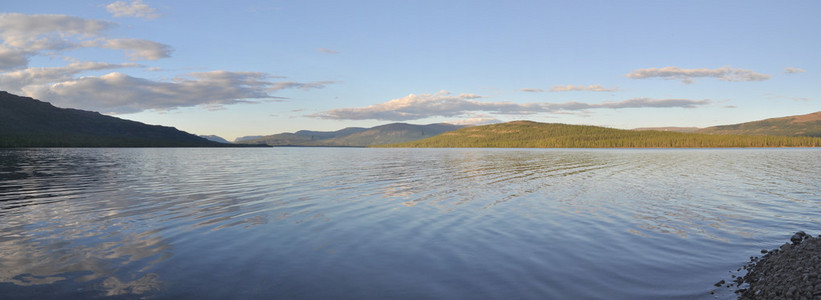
{"x": 337, "y": 223}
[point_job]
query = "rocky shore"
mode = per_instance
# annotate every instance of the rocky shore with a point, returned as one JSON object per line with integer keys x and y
{"x": 792, "y": 271}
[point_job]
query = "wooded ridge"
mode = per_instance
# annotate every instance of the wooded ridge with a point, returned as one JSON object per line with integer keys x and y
{"x": 528, "y": 134}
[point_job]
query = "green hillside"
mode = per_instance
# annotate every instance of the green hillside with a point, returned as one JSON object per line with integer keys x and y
{"x": 527, "y": 134}
{"x": 355, "y": 136}
{"x": 803, "y": 125}
{"x": 26, "y": 122}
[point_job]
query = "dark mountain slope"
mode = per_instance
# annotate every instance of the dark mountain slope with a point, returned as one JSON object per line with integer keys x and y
{"x": 214, "y": 138}
{"x": 26, "y": 122}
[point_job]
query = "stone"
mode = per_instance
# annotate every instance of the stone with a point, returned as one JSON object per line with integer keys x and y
{"x": 792, "y": 271}
{"x": 798, "y": 237}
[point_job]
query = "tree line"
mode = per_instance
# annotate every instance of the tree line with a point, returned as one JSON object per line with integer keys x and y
{"x": 525, "y": 134}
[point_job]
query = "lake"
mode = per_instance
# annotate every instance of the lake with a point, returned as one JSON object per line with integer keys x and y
{"x": 356, "y": 223}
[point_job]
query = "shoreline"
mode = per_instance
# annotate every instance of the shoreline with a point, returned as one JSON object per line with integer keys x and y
{"x": 792, "y": 271}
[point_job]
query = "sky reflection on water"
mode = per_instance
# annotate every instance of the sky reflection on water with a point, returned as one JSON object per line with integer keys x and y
{"x": 407, "y": 223}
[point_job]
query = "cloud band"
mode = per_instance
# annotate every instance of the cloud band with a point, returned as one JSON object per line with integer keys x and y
{"x": 686, "y": 75}
{"x": 444, "y": 104}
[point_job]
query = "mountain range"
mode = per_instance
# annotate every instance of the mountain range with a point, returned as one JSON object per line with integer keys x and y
{"x": 397, "y": 133}
{"x": 26, "y": 122}
{"x": 355, "y": 136}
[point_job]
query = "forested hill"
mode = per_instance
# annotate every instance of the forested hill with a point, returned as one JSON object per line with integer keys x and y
{"x": 803, "y": 125}
{"x": 26, "y": 122}
{"x": 527, "y": 134}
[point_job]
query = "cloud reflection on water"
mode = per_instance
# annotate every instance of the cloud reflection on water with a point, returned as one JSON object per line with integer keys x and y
{"x": 55, "y": 230}
{"x": 122, "y": 221}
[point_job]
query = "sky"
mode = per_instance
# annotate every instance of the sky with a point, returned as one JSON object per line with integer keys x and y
{"x": 239, "y": 68}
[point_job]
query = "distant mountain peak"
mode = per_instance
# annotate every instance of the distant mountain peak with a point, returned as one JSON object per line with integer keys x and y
{"x": 356, "y": 136}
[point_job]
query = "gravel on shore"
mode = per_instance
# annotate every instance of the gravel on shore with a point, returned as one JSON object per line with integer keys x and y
{"x": 792, "y": 271}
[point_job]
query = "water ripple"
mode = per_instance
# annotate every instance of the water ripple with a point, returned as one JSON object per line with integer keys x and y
{"x": 409, "y": 223}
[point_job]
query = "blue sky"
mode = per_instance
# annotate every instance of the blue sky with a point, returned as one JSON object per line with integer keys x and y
{"x": 262, "y": 67}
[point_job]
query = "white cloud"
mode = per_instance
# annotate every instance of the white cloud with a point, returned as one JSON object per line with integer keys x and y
{"x": 15, "y": 81}
{"x": 24, "y": 36}
{"x": 532, "y": 90}
{"x": 13, "y": 59}
{"x": 444, "y": 104}
{"x": 136, "y": 9}
{"x": 791, "y": 70}
{"x": 411, "y": 107}
{"x": 17, "y": 30}
{"x": 137, "y": 49}
{"x": 649, "y": 102}
{"x": 686, "y": 75}
{"x": 121, "y": 93}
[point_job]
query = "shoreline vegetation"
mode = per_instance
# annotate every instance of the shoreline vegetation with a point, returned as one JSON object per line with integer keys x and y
{"x": 529, "y": 134}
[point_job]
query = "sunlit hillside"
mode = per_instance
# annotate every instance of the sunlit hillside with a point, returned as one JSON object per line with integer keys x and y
{"x": 527, "y": 134}
{"x": 803, "y": 125}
